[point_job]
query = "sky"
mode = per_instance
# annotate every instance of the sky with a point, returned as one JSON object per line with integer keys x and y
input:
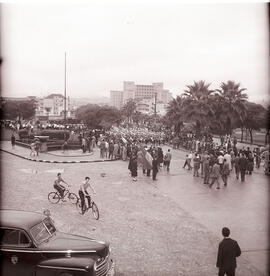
{"x": 107, "y": 43}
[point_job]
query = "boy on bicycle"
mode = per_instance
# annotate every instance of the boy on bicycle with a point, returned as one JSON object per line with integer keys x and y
{"x": 84, "y": 193}
{"x": 57, "y": 185}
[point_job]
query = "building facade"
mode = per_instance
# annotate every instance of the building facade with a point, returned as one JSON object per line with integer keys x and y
{"x": 116, "y": 99}
{"x": 143, "y": 94}
{"x": 52, "y": 107}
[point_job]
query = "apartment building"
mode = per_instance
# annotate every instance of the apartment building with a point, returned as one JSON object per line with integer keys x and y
{"x": 139, "y": 92}
{"x": 52, "y": 107}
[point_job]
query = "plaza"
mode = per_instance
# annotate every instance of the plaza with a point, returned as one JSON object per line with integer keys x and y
{"x": 168, "y": 227}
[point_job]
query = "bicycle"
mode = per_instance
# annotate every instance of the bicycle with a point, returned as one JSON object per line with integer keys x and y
{"x": 92, "y": 206}
{"x": 54, "y": 197}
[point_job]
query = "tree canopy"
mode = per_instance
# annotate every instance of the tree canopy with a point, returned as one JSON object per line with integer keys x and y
{"x": 95, "y": 116}
{"x": 220, "y": 110}
{"x": 17, "y": 109}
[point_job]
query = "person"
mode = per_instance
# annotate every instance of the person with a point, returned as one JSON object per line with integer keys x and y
{"x": 236, "y": 166}
{"x": 167, "y": 160}
{"x": 242, "y": 166}
{"x": 220, "y": 160}
{"x": 83, "y": 144}
{"x": 154, "y": 167}
{"x": 57, "y": 185}
{"x": 13, "y": 140}
{"x": 65, "y": 146}
{"x": 83, "y": 193}
{"x": 133, "y": 166}
{"x": 206, "y": 170}
{"x": 225, "y": 171}
{"x": 37, "y": 146}
{"x": 215, "y": 175}
{"x": 228, "y": 158}
{"x": 228, "y": 250}
{"x": 196, "y": 164}
{"x": 190, "y": 157}
{"x": 160, "y": 156}
{"x": 250, "y": 163}
{"x": 33, "y": 149}
{"x": 186, "y": 161}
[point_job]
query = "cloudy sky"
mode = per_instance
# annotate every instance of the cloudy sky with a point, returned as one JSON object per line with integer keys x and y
{"x": 107, "y": 43}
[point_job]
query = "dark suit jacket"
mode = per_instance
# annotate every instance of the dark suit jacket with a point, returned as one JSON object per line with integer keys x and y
{"x": 228, "y": 250}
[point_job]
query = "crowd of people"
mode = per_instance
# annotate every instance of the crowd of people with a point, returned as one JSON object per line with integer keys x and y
{"x": 218, "y": 163}
{"x": 143, "y": 148}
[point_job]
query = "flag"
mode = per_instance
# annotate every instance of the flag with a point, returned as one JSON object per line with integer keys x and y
{"x": 145, "y": 159}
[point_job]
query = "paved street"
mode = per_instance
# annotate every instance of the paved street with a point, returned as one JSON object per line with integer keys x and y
{"x": 168, "y": 227}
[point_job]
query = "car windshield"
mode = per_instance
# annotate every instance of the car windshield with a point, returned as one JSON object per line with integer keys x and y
{"x": 43, "y": 230}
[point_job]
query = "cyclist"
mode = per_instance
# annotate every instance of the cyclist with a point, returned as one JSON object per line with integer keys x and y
{"x": 57, "y": 185}
{"x": 83, "y": 193}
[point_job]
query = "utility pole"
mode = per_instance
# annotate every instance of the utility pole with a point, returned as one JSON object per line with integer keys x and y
{"x": 155, "y": 110}
{"x": 65, "y": 91}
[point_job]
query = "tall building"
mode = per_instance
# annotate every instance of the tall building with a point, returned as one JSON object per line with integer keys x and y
{"x": 117, "y": 99}
{"x": 138, "y": 92}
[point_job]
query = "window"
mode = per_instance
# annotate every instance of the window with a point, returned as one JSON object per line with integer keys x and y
{"x": 14, "y": 237}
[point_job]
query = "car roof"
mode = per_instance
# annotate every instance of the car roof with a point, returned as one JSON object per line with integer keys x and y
{"x": 19, "y": 219}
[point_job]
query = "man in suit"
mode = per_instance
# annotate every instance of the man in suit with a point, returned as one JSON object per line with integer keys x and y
{"x": 228, "y": 250}
{"x": 242, "y": 166}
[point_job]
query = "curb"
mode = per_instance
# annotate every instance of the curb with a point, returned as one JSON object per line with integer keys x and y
{"x": 90, "y": 154}
{"x": 55, "y": 161}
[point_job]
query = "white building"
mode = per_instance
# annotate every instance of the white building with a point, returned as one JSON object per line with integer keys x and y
{"x": 116, "y": 98}
{"x": 147, "y": 106}
{"x": 155, "y": 91}
{"x": 52, "y": 108}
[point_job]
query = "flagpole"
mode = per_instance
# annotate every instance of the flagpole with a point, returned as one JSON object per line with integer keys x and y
{"x": 65, "y": 91}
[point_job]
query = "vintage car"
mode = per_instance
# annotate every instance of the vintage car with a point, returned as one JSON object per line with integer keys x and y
{"x": 31, "y": 245}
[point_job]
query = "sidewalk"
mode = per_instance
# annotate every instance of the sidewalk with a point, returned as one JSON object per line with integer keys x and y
{"x": 71, "y": 156}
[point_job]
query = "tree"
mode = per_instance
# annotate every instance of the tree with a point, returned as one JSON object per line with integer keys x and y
{"x": 95, "y": 116}
{"x": 255, "y": 118}
{"x": 18, "y": 109}
{"x": 129, "y": 109}
{"x": 174, "y": 116}
{"x": 197, "y": 105}
{"x": 230, "y": 105}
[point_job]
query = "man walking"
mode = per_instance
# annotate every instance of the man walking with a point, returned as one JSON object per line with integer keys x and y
{"x": 13, "y": 139}
{"x": 167, "y": 160}
{"x": 206, "y": 170}
{"x": 154, "y": 167}
{"x": 225, "y": 172}
{"x": 242, "y": 166}
{"x": 228, "y": 250}
{"x": 236, "y": 166}
{"x": 215, "y": 175}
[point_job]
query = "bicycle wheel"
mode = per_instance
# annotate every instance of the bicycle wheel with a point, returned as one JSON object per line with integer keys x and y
{"x": 95, "y": 211}
{"x": 53, "y": 197}
{"x": 73, "y": 198}
{"x": 79, "y": 206}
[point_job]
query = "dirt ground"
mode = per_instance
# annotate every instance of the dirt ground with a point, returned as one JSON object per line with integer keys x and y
{"x": 149, "y": 232}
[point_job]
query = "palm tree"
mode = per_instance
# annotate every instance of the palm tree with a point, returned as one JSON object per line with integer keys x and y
{"x": 233, "y": 104}
{"x": 174, "y": 115}
{"x": 198, "y": 104}
{"x": 129, "y": 109}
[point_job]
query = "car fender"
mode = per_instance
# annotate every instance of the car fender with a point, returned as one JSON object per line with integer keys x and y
{"x": 71, "y": 266}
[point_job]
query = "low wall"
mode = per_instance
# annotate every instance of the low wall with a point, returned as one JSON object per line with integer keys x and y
{"x": 49, "y": 146}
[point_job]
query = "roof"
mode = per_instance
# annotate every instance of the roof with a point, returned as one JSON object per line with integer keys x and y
{"x": 19, "y": 219}
{"x": 51, "y": 96}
